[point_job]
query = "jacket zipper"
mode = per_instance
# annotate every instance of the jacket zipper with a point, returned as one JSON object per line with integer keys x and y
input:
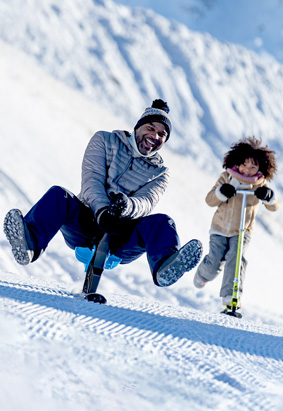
{"x": 128, "y": 166}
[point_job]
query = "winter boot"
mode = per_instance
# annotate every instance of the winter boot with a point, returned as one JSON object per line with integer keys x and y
{"x": 198, "y": 281}
{"x": 180, "y": 262}
{"x": 19, "y": 237}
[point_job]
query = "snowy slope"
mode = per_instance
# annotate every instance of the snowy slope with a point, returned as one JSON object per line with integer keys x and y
{"x": 55, "y": 123}
{"x": 148, "y": 348}
{"x": 124, "y": 58}
{"x": 217, "y": 93}
{"x": 59, "y": 352}
{"x": 255, "y": 24}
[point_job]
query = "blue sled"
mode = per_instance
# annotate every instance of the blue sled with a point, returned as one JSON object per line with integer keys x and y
{"x": 84, "y": 255}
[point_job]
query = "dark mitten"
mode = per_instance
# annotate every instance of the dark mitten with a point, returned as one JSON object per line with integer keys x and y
{"x": 264, "y": 193}
{"x": 227, "y": 190}
{"x": 108, "y": 222}
{"x": 120, "y": 205}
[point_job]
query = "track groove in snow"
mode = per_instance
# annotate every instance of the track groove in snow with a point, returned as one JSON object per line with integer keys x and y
{"x": 219, "y": 352}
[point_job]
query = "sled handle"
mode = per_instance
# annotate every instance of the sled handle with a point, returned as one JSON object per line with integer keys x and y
{"x": 96, "y": 265}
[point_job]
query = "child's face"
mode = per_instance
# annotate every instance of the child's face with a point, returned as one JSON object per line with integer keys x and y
{"x": 249, "y": 168}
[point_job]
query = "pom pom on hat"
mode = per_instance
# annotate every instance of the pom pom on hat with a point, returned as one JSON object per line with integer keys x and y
{"x": 162, "y": 105}
{"x": 157, "y": 112}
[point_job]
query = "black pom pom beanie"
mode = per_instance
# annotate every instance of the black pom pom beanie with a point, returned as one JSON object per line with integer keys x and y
{"x": 157, "y": 112}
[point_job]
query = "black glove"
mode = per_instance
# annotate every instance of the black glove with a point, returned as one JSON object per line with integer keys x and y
{"x": 264, "y": 193}
{"x": 108, "y": 222}
{"x": 120, "y": 205}
{"x": 227, "y": 190}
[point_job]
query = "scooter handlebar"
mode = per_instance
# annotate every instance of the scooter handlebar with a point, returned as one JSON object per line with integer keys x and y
{"x": 245, "y": 192}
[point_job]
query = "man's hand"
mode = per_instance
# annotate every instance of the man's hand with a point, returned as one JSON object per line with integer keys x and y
{"x": 108, "y": 222}
{"x": 120, "y": 205}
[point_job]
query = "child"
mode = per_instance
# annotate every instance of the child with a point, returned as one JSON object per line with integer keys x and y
{"x": 248, "y": 165}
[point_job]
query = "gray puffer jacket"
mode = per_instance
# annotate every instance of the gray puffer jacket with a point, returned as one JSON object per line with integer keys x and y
{"x": 109, "y": 166}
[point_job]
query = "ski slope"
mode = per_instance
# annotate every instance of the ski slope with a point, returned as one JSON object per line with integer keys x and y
{"x": 60, "y": 352}
{"x": 148, "y": 348}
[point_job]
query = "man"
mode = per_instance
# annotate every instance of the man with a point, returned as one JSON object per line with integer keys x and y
{"x": 123, "y": 178}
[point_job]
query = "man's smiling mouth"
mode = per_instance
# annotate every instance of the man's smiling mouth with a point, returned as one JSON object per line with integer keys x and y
{"x": 150, "y": 142}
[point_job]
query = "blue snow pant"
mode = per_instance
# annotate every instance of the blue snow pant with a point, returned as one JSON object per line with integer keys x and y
{"x": 222, "y": 255}
{"x": 61, "y": 210}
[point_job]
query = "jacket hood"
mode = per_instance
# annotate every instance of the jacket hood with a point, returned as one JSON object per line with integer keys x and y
{"x": 124, "y": 136}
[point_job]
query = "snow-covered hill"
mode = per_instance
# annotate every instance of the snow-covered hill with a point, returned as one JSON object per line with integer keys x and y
{"x": 217, "y": 93}
{"x": 255, "y": 24}
{"x": 149, "y": 348}
{"x": 45, "y": 127}
{"x": 123, "y": 58}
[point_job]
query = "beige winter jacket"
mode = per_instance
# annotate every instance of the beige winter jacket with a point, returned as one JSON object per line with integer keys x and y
{"x": 226, "y": 220}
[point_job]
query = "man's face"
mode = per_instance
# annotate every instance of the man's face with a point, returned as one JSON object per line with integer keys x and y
{"x": 150, "y": 137}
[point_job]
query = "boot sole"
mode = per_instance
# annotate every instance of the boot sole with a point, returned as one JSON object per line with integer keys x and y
{"x": 15, "y": 233}
{"x": 186, "y": 259}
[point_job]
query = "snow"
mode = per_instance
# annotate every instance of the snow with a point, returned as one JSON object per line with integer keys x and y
{"x": 148, "y": 348}
{"x": 134, "y": 353}
{"x": 255, "y": 24}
